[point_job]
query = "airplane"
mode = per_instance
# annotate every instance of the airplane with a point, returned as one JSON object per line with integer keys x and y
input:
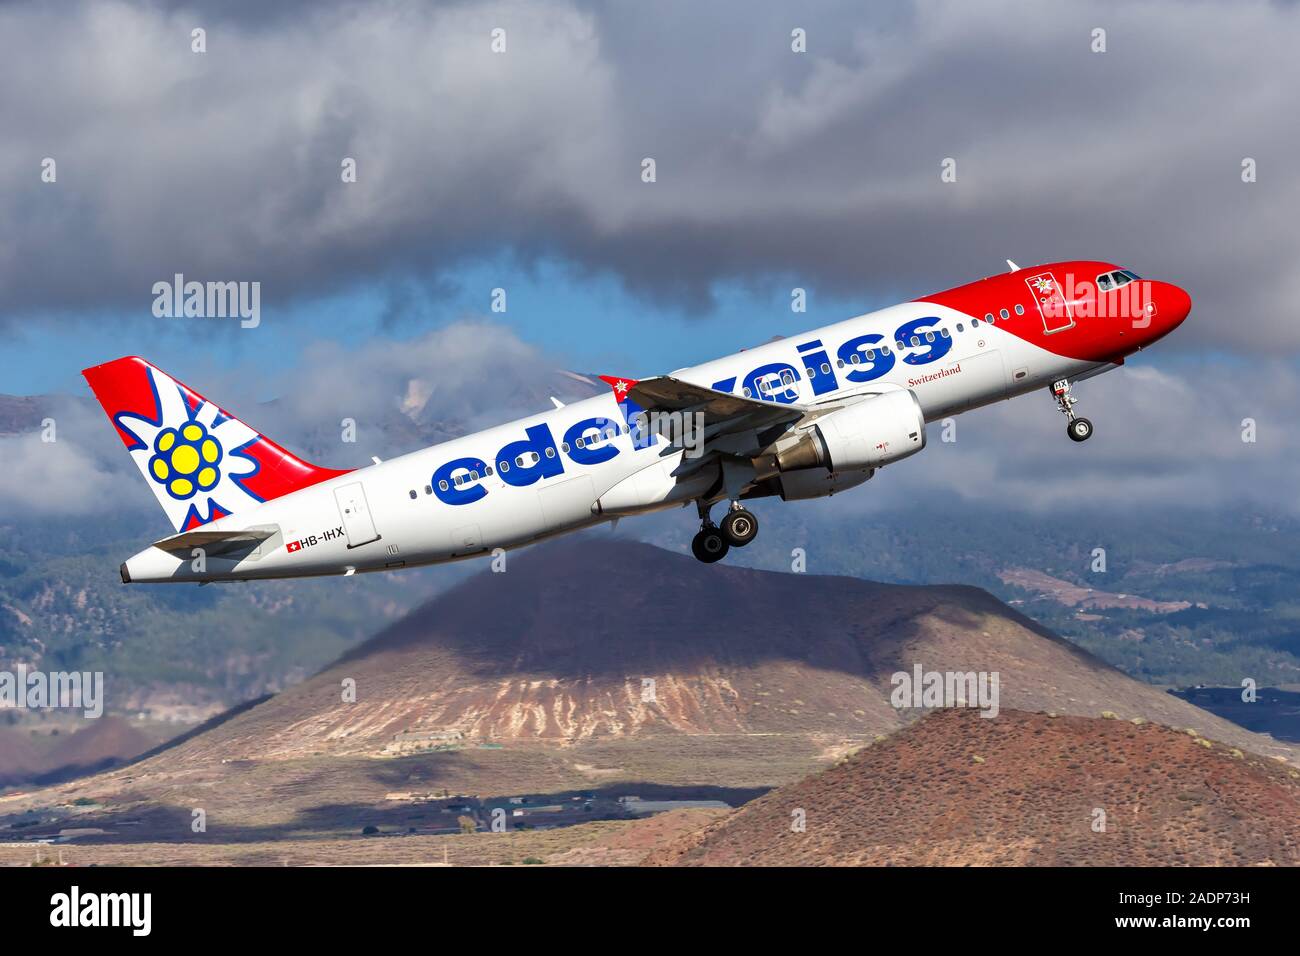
{"x": 802, "y": 417}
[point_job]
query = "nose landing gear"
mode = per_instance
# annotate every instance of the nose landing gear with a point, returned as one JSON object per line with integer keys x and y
{"x": 712, "y": 543}
{"x": 1079, "y": 429}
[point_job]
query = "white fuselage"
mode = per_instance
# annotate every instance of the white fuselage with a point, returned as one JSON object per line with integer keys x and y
{"x": 396, "y": 514}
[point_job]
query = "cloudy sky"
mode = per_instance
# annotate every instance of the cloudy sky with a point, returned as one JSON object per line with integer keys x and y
{"x": 522, "y": 170}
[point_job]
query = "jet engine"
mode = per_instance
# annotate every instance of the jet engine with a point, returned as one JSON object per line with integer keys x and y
{"x": 809, "y": 483}
{"x": 876, "y": 431}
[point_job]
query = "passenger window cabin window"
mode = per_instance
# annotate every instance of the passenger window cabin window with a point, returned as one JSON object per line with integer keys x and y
{"x": 1005, "y": 314}
{"x": 929, "y": 336}
{"x": 960, "y": 327}
{"x": 974, "y": 323}
{"x": 413, "y": 494}
{"x": 428, "y": 489}
{"x": 442, "y": 485}
{"x": 1020, "y": 309}
{"x": 988, "y": 316}
{"x": 944, "y": 333}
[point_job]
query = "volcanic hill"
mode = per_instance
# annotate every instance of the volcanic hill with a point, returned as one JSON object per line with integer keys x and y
{"x": 955, "y": 789}
{"x": 596, "y": 639}
{"x": 596, "y": 663}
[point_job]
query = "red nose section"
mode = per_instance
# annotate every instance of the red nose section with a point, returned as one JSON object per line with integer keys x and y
{"x": 1172, "y": 306}
{"x": 1180, "y": 303}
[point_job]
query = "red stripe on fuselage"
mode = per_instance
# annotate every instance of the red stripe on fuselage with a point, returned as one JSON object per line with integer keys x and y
{"x": 1092, "y": 338}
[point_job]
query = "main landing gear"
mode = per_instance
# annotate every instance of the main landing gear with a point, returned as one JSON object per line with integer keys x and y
{"x": 712, "y": 543}
{"x": 1079, "y": 429}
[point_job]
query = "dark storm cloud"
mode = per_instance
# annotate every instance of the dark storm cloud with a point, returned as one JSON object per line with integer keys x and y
{"x": 822, "y": 165}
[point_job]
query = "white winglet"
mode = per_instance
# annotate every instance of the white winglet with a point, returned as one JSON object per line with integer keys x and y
{"x": 1014, "y": 267}
{"x": 556, "y": 402}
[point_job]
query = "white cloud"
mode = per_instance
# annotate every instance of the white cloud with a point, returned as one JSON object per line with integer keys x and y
{"x": 52, "y": 478}
{"x": 225, "y": 165}
{"x": 1163, "y": 438}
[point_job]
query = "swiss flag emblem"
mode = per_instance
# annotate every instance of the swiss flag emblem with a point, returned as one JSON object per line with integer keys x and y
{"x": 294, "y": 546}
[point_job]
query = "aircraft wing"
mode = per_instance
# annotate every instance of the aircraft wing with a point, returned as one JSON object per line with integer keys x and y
{"x": 724, "y": 413}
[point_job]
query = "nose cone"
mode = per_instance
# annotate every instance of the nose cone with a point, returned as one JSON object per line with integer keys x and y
{"x": 1175, "y": 304}
{"x": 1165, "y": 308}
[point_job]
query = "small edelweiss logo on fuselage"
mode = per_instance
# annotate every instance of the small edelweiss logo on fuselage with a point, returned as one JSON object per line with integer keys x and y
{"x": 185, "y": 460}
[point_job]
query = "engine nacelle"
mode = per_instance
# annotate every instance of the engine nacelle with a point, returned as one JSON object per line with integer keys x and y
{"x": 877, "y": 431}
{"x": 809, "y": 483}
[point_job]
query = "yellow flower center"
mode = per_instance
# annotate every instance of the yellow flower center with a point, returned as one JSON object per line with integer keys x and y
{"x": 185, "y": 459}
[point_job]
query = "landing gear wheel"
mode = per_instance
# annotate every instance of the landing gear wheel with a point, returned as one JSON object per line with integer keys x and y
{"x": 739, "y": 527}
{"x": 1079, "y": 429}
{"x": 710, "y": 545}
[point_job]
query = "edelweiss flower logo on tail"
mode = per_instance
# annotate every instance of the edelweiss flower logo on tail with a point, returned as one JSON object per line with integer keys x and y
{"x": 186, "y": 461}
{"x": 192, "y": 455}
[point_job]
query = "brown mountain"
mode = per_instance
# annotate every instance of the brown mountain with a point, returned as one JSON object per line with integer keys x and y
{"x": 954, "y": 790}
{"x": 600, "y": 664}
{"x": 44, "y": 757}
{"x": 558, "y": 649}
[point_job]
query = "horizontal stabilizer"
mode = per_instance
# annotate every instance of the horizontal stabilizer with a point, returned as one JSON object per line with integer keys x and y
{"x": 187, "y": 541}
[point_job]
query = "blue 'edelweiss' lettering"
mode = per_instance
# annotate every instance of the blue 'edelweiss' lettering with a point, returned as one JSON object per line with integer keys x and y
{"x": 535, "y": 457}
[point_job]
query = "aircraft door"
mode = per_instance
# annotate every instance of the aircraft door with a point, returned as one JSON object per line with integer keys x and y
{"x": 1052, "y": 305}
{"x": 354, "y": 510}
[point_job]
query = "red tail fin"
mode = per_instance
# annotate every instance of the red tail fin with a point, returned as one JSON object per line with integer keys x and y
{"x": 201, "y": 462}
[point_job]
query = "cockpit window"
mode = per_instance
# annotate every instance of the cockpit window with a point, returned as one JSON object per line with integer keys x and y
{"x": 1132, "y": 275}
{"x": 1113, "y": 280}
